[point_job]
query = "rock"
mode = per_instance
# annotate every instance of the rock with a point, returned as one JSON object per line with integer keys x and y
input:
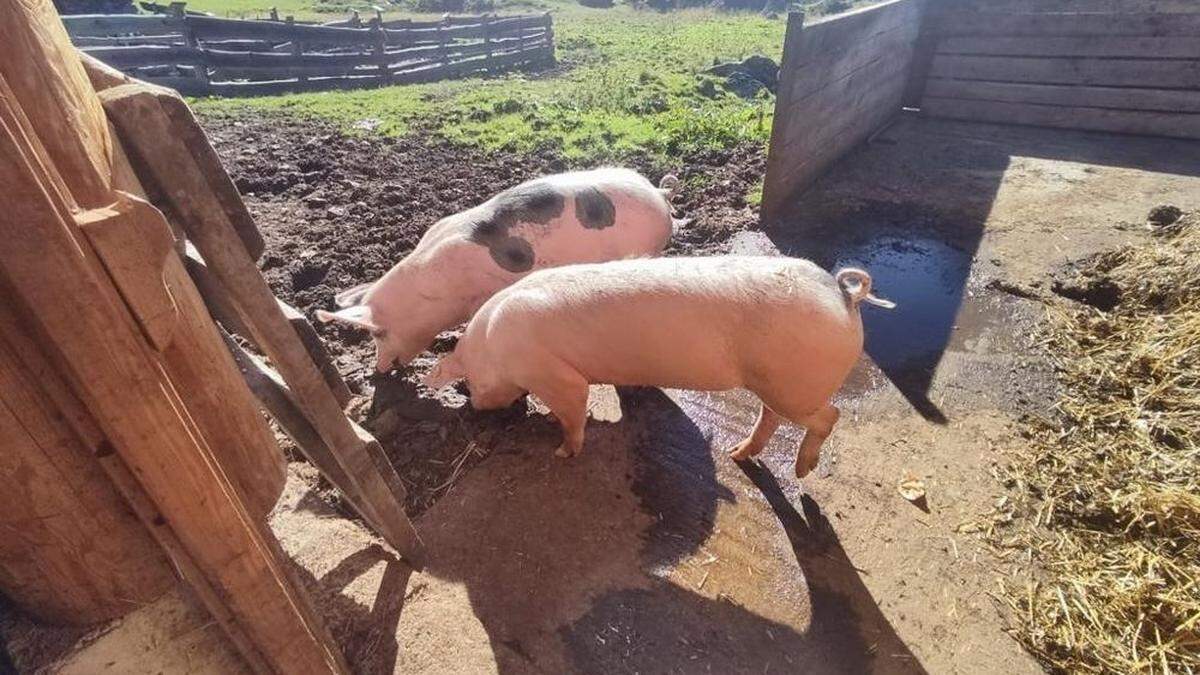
{"x": 316, "y": 202}
{"x": 763, "y": 69}
{"x": 1164, "y": 216}
{"x": 743, "y": 85}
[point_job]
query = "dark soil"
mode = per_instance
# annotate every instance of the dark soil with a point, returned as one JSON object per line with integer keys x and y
{"x": 338, "y": 210}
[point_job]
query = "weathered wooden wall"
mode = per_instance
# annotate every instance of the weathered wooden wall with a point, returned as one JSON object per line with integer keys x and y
{"x": 839, "y": 81}
{"x": 1126, "y": 66}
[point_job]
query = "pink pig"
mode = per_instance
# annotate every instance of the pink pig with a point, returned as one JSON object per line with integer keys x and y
{"x": 781, "y": 327}
{"x": 578, "y": 217}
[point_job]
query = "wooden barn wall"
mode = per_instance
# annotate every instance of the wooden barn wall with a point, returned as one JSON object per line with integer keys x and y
{"x": 1125, "y": 66}
{"x": 840, "y": 80}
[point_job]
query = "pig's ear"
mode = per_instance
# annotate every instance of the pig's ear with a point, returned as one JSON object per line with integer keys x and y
{"x": 447, "y": 370}
{"x": 358, "y": 315}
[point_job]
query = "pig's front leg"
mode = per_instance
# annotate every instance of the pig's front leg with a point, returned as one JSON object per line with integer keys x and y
{"x": 764, "y": 428}
{"x": 817, "y": 427}
{"x": 565, "y": 392}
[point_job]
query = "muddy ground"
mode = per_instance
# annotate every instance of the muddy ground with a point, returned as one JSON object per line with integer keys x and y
{"x": 339, "y": 210}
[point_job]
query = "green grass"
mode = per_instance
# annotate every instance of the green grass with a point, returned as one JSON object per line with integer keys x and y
{"x": 627, "y": 84}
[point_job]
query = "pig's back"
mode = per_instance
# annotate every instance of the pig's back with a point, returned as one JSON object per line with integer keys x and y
{"x": 699, "y": 323}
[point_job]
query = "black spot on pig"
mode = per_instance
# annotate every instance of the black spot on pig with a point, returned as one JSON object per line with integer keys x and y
{"x": 594, "y": 209}
{"x": 534, "y": 203}
{"x": 512, "y": 253}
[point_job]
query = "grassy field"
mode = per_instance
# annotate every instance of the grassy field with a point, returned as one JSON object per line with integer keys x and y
{"x": 627, "y": 82}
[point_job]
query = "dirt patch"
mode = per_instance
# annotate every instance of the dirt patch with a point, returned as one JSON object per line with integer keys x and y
{"x": 337, "y": 210}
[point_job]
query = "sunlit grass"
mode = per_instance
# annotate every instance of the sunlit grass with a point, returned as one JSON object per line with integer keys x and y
{"x": 626, "y": 83}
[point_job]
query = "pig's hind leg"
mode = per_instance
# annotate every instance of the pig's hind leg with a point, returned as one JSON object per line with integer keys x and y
{"x": 565, "y": 392}
{"x": 817, "y": 427}
{"x": 764, "y": 428}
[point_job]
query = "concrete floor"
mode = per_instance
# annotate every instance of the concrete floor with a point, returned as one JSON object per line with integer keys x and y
{"x": 653, "y": 553}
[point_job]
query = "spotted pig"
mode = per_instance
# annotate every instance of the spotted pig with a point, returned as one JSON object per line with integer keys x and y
{"x": 577, "y": 217}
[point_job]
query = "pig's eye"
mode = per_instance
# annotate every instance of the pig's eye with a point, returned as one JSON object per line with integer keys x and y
{"x": 379, "y": 333}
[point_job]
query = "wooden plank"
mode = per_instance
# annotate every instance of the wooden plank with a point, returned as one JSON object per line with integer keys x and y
{"x": 146, "y": 55}
{"x": 822, "y": 116}
{"x": 1122, "y": 6}
{"x": 995, "y": 24}
{"x": 148, "y": 134}
{"x": 1093, "y": 72}
{"x": 116, "y": 24}
{"x": 72, "y": 552}
{"x": 1118, "y": 98}
{"x": 842, "y": 78}
{"x": 52, "y": 270}
{"x": 127, "y": 40}
{"x": 133, "y": 242}
{"x": 833, "y": 49}
{"x": 189, "y": 132}
{"x": 1096, "y": 46}
{"x": 316, "y": 350}
{"x": 214, "y": 28}
{"x": 1177, "y": 125}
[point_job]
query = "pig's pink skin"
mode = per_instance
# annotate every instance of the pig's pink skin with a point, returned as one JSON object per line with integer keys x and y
{"x": 449, "y": 276}
{"x": 780, "y": 327}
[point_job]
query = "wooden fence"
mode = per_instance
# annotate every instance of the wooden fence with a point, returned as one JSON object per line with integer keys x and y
{"x": 1128, "y": 66}
{"x": 840, "y": 80}
{"x": 201, "y": 55}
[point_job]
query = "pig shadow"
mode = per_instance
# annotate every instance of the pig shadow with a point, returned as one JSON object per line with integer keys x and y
{"x": 565, "y": 562}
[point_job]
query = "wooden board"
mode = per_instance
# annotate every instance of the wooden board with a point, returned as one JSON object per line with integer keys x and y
{"x": 1118, "y": 98}
{"x": 1178, "y": 125}
{"x": 1139, "y": 24}
{"x": 1099, "y": 46}
{"x": 1123, "y": 6}
{"x": 72, "y": 553}
{"x": 840, "y": 80}
{"x": 1162, "y": 74}
{"x": 67, "y": 302}
{"x": 146, "y": 127}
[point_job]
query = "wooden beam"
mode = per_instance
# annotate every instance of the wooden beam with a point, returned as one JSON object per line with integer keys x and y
{"x": 151, "y": 139}
{"x": 67, "y": 301}
{"x": 1149, "y": 73}
{"x": 1092, "y": 46}
{"x": 999, "y": 24}
{"x": 1118, "y": 98}
{"x": 1178, "y": 125}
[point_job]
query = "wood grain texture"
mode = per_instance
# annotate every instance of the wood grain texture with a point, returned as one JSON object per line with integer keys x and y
{"x": 1119, "y": 98}
{"x": 1092, "y": 46}
{"x": 41, "y": 69}
{"x": 1150, "y": 73}
{"x": 840, "y": 80}
{"x": 1176, "y": 125}
{"x": 1035, "y": 24}
{"x": 67, "y": 301}
{"x": 73, "y": 552}
{"x": 150, "y": 138}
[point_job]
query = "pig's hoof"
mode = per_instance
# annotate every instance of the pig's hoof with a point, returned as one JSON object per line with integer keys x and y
{"x": 740, "y": 453}
{"x": 805, "y": 465}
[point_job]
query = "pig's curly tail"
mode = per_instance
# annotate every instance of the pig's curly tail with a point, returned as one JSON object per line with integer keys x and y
{"x": 669, "y": 184}
{"x": 856, "y": 284}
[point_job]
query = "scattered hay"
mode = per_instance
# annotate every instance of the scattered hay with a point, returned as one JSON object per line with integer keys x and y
{"x": 1106, "y": 500}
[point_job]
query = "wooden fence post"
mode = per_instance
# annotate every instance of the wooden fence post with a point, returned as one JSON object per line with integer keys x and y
{"x": 443, "y": 54}
{"x": 297, "y": 49}
{"x": 274, "y": 14}
{"x": 379, "y": 35}
{"x": 548, "y": 24}
{"x": 200, "y": 68}
{"x": 486, "y": 30}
